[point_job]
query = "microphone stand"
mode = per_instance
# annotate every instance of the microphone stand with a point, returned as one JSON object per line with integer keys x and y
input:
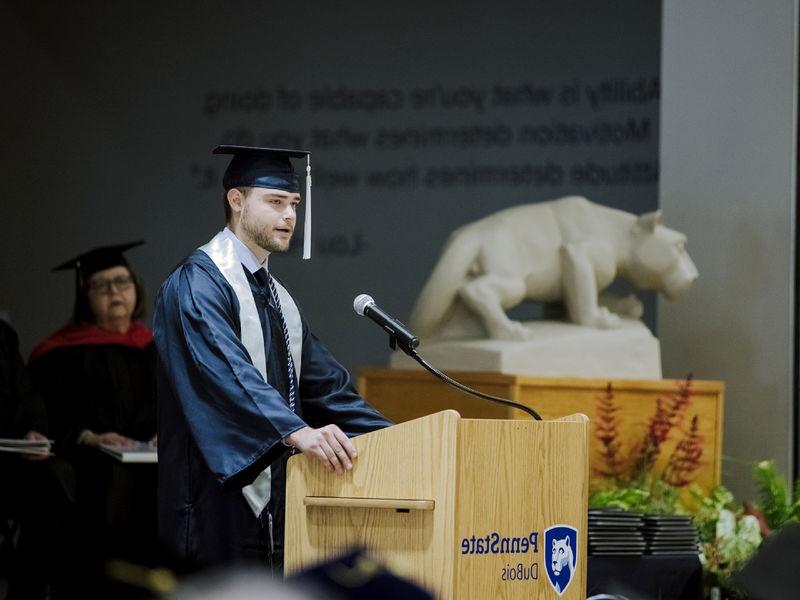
{"x": 410, "y": 349}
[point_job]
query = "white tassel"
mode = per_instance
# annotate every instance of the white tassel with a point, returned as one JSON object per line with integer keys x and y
{"x": 307, "y": 221}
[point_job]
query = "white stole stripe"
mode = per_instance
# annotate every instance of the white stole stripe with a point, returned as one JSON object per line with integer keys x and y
{"x": 221, "y": 250}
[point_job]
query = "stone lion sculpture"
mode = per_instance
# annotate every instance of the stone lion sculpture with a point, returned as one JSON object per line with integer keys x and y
{"x": 567, "y": 250}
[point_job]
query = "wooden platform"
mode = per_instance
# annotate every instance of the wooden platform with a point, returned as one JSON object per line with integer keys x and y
{"x": 407, "y": 394}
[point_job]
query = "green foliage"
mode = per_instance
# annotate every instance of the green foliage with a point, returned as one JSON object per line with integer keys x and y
{"x": 774, "y": 499}
{"x": 654, "y": 497}
{"x": 630, "y": 498}
{"x": 707, "y": 509}
{"x": 664, "y": 498}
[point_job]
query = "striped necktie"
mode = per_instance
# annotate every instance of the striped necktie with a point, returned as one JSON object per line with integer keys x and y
{"x": 259, "y": 492}
{"x": 290, "y": 362}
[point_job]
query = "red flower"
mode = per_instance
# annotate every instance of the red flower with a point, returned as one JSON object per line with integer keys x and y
{"x": 668, "y": 414}
{"x": 606, "y": 431}
{"x": 685, "y": 459}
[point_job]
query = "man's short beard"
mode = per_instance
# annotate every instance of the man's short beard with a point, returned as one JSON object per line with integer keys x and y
{"x": 259, "y": 236}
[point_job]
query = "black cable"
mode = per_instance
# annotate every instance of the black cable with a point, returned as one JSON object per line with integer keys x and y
{"x": 527, "y": 409}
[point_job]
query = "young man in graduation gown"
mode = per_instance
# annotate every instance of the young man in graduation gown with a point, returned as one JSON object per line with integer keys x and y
{"x": 242, "y": 381}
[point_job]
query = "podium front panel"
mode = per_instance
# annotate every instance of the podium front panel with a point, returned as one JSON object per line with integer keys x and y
{"x": 521, "y": 513}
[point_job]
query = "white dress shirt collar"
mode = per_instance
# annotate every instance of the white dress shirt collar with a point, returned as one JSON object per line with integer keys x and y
{"x": 244, "y": 254}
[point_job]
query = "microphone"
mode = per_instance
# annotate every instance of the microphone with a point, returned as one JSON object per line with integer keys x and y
{"x": 399, "y": 336}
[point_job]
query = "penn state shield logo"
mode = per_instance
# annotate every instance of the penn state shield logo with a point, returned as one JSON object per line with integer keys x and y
{"x": 561, "y": 550}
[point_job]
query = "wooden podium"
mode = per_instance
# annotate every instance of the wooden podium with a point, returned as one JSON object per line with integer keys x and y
{"x": 460, "y": 506}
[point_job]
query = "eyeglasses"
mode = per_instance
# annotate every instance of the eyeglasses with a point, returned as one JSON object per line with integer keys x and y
{"x": 103, "y": 286}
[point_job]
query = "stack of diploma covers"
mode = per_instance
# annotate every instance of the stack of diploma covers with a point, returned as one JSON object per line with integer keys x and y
{"x": 615, "y": 532}
{"x": 670, "y": 534}
{"x": 21, "y": 446}
{"x": 140, "y": 452}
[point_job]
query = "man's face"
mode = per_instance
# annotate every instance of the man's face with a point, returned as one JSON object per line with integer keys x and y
{"x": 268, "y": 217}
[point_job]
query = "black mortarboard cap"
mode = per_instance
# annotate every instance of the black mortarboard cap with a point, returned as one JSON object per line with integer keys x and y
{"x": 97, "y": 259}
{"x": 271, "y": 168}
{"x": 261, "y": 167}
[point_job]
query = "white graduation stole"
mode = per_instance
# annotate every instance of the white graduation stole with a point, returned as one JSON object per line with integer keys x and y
{"x": 220, "y": 249}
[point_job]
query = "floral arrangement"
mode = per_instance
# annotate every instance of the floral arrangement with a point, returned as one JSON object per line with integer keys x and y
{"x": 728, "y": 536}
{"x": 729, "y": 533}
{"x": 629, "y": 480}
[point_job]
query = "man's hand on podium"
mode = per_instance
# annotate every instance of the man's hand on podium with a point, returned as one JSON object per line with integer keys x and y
{"x": 329, "y": 445}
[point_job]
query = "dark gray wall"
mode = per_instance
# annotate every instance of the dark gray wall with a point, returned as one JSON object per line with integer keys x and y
{"x": 729, "y": 161}
{"x": 110, "y": 111}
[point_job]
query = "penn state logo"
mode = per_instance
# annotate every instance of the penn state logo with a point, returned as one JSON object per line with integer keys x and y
{"x": 561, "y": 544}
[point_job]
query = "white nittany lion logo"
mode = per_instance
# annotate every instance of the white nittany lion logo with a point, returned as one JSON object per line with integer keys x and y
{"x": 562, "y": 556}
{"x": 562, "y": 543}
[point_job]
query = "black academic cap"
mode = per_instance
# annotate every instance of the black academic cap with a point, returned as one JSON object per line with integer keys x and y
{"x": 261, "y": 167}
{"x": 271, "y": 168}
{"x": 97, "y": 259}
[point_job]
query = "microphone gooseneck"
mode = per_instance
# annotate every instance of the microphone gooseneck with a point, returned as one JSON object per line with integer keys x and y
{"x": 400, "y": 337}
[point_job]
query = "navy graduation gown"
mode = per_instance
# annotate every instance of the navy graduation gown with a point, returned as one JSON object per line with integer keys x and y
{"x": 220, "y": 424}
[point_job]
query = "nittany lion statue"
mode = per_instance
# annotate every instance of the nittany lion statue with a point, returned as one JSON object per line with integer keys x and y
{"x": 566, "y": 250}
